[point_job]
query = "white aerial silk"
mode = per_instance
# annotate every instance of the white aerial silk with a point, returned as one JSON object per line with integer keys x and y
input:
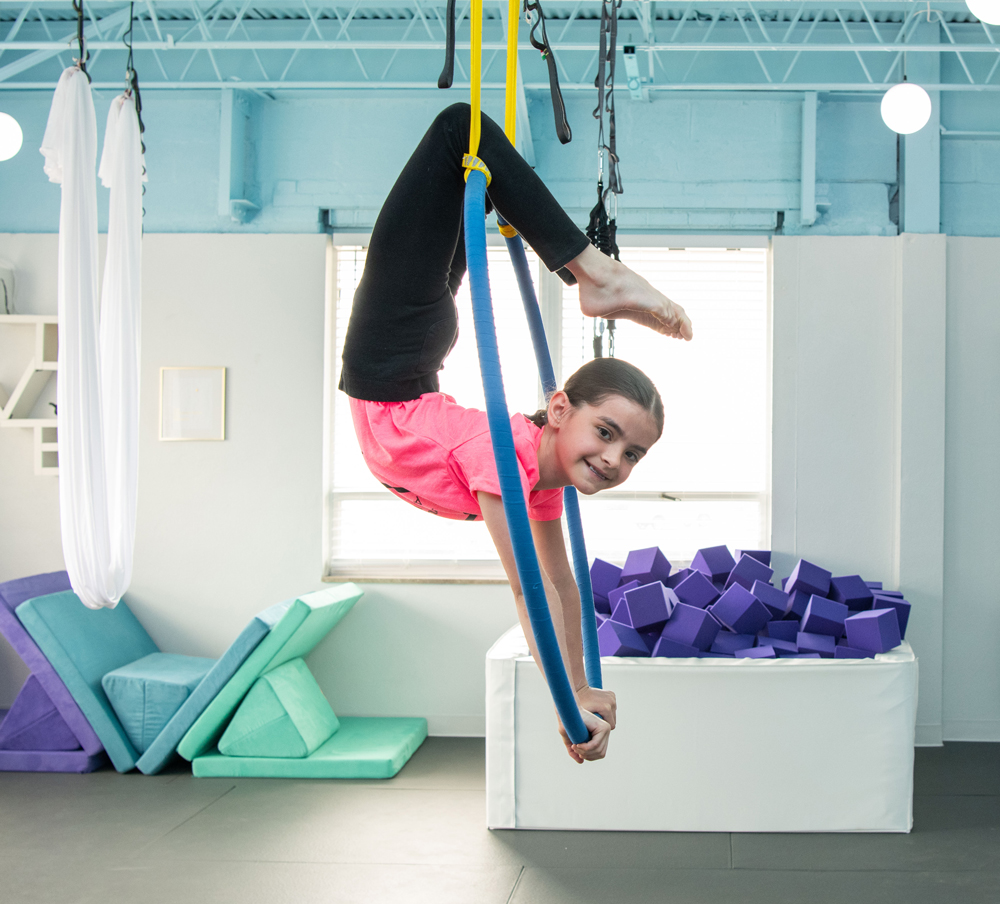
{"x": 98, "y": 386}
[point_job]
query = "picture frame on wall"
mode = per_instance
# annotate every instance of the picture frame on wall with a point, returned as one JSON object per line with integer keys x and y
{"x": 192, "y": 404}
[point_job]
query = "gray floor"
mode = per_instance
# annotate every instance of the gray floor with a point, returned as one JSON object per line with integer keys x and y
{"x": 108, "y": 838}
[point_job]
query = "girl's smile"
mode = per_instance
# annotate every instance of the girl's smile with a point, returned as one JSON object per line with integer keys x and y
{"x": 593, "y": 447}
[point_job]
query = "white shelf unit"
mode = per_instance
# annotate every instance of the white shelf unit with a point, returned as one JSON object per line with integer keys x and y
{"x": 16, "y": 405}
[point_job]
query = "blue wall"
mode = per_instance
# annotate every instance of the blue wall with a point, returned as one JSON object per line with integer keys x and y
{"x": 689, "y": 162}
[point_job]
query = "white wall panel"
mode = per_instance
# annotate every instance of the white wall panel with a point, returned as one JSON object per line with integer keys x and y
{"x": 972, "y": 502}
{"x": 858, "y": 423}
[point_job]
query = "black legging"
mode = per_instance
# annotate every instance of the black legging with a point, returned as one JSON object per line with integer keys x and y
{"x": 404, "y": 323}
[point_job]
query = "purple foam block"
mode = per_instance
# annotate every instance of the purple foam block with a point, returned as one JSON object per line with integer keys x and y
{"x": 782, "y": 630}
{"x": 618, "y": 594}
{"x": 677, "y": 577}
{"x": 620, "y": 615}
{"x": 797, "y": 605}
{"x": 12, "y": 594}
{"x": 809, "y": 578}
{"x": 823, "y": 616}
{"x": 823, "y": 644}
{"x": 740, "y": 611}
{"x": 891, "y": 594}
{"x": 650, "y": 606}
{"x": 673, "y": 649}
{"x": 761, "y": 555}
{"x": 803, "y": 656}
{"x": 748, "y": 571}
{"x": 781, "y": 647}
{"x": 604, "y": 577}
{"x": 845, "y": 652}
{"x": 756, "y": 653}
{"x": 601, "y": 618}
{"x": 776, "y": 601}
{"x": 649, "y": 638}
{"x": 614, "y": 639}
{"x": 784, "y": 583}
{"x": 602, "y": 606}
{"x": 696, "y": 590}
{"x": 877, "y": 630}
{"x": 34, "y": 723}
{"x": 645, "y": 566}
{"x": 902, "y": 608}
{"x": 874, "y": 585}
{"x": 729, "y": 643}
{"x": 702, "y": 654}
{"x": 692, "y": 626}
{"x": 851, "y": 591}
{"x": 715, "y": 562}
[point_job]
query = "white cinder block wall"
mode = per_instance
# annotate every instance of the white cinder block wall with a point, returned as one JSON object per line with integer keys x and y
{"x": 226, "y": 529}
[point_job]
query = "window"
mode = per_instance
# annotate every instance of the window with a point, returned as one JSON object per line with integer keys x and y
{"x": 704, "y": 483}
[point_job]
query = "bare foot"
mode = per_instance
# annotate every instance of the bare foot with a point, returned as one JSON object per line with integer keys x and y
{"x": 610, "y": 290}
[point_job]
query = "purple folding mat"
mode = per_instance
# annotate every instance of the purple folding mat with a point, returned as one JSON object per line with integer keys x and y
{"x": 44, "y": 731}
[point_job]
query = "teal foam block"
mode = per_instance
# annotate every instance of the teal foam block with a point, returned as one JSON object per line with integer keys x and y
{"x": 284, "y": 715}
{"x": 160, "y": 751}
{"x": 83, "y": 645}
{"x": 364, "y": 748}
{"x": 307, "y": 620}
{"x": 146, "y": 693}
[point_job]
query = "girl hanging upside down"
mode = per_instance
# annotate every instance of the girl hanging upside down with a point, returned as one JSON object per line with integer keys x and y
{"x": 437, "y": 455}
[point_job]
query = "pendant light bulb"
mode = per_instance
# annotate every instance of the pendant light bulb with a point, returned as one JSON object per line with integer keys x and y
{"x": 906, "y": 107}
{"x": 987, "y": 11}
{"x": 11, "y": 136}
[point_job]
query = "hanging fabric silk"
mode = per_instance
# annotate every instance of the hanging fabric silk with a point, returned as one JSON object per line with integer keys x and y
{"x": 96, "y": 489}
{"x": 121, "y": 171}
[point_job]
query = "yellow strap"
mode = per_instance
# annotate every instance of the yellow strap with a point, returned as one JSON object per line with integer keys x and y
{"x": 510, "y": 114}
{"x": 510, "y": 109}
{"x": 476, "y": 53}
{"x": 471, "y": 162}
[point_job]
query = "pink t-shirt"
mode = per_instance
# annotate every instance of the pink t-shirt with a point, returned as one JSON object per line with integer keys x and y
{"x": 437, "y": 455}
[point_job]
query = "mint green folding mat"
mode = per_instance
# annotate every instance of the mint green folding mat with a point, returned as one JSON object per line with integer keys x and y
{"x": 305, "y": 623}
{"x": 272, "y": 705}
{"x": 284, "y": 715}
{"x": 361, "y": 748}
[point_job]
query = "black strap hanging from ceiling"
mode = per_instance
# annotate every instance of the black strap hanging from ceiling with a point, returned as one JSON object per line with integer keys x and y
{"x": 81, "y": 63}
{"x": 447, "y": 75}
{"x": 602, "y": 229}
{"x": 132, "y": 89}
{"x": 563, "y": 131}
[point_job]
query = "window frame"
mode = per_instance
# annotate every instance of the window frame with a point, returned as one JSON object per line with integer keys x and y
{"x": 471, "y": 571}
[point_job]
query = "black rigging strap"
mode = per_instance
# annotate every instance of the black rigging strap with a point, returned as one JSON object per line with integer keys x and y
{"x": 602, "y": 229}
{"x": 447, "y": 75}
{"x": 132, "y": 89}
{"x": 563, "y": 130}
{"x": 81, "y": 63}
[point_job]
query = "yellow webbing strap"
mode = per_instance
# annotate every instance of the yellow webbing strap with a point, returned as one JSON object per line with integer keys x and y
{"x": 510, "y": 115}
{"x": 471, "y": 162}
{"x": 476, "y": 61}
{"x": 510, "y": 108}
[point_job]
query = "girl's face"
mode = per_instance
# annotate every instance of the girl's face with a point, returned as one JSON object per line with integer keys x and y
{"x": 596, "y": 446}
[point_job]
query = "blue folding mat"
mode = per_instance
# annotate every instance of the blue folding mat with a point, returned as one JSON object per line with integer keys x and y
{"x": 139, "y": 701}
{"x": 45, "y": 730}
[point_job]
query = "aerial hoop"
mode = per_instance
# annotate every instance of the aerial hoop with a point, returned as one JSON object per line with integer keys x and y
{"x": 515, "y": 509}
